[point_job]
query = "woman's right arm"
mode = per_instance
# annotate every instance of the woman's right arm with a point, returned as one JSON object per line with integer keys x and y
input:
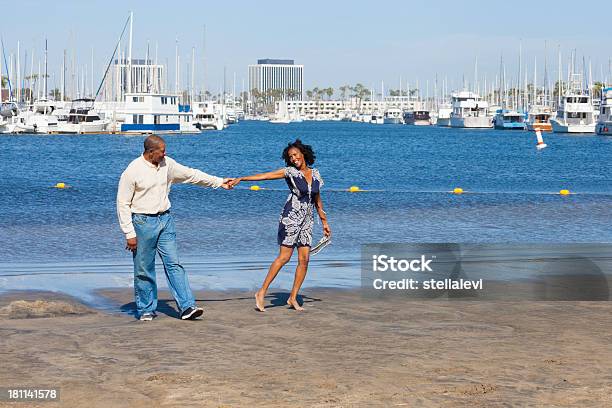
{"x": 271, "y": 175}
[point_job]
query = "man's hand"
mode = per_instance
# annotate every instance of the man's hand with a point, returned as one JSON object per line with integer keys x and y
{"x": 227, "y": 184}
{"x": 131, "y": 244}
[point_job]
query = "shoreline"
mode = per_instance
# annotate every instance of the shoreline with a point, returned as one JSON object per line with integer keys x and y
{"x": 344, "y": 350}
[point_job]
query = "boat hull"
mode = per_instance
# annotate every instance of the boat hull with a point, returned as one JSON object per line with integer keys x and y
{"x": 542, "y": 127}
{"x": 559, "y": 127}
{"x": 77, "y": 128}
{"x": 510, "y": 126}
{"x": 473, "y": 122}
{"x": 392, "y": 121}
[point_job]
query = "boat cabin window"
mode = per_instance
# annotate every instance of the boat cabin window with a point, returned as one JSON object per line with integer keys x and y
{"x": 576, "y": 99}
{"x": 164, "y": 100}
{"x": 137, "y": 119}
{"x": 137, "y": 98}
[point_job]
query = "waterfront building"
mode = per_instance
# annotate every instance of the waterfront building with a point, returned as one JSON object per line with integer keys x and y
{"x": 276, "y": 74}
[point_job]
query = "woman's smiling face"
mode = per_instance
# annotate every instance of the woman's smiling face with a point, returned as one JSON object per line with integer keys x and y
{"x": 296, "y": 157}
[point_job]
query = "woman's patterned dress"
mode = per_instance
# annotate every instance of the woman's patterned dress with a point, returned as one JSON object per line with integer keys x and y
{"x": 296, "y": 220}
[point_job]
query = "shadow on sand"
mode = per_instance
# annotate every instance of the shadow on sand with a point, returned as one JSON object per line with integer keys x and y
{"x": 168, "y": 306}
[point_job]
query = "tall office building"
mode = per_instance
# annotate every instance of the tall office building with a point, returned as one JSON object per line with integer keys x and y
{"x": 281, "y": 75}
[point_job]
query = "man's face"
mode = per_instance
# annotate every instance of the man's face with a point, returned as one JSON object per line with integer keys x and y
{"x": 157, "y": 155}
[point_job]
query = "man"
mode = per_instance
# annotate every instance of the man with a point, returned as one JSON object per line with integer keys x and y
{"x": 143, "y": 208}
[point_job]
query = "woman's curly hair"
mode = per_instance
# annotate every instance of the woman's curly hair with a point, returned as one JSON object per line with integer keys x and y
{"x": 309, "y": 155}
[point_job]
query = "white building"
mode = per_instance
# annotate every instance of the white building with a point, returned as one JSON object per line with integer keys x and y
{"x": 283, "y": 75}
{"x": 337, "y": 109}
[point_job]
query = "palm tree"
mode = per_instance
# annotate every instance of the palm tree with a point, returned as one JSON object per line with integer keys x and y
{"x": 329, "y": 91}
{"x": 317, "y": 92}
{"x": 309, "y": 94}
{"x": 343, "y": 90}
{"x": 596, "y": 91}
{"x": 55, "y": 94}
{"x": 559, "y": 87}
{"x": 360, "y": 92}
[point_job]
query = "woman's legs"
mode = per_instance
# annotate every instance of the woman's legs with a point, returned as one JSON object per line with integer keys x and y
{"x": 284, "y": 255}
{"x": 300, "y": 274}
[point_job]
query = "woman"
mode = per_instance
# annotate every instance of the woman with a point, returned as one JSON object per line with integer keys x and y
{"x": 296, "y": 220}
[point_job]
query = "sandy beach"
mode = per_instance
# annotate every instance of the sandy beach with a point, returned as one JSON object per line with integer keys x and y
{"x": 343, "y": 351}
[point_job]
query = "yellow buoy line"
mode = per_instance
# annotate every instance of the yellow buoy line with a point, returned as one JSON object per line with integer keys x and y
{"x": 455, "y": 191}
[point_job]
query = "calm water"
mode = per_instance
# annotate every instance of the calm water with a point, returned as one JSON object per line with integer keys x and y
{"x": 226, "y": 238}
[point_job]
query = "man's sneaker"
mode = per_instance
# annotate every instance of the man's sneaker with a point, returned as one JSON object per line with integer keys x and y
{"x": 147, "y": 317}
{"x": 192, "y": 313}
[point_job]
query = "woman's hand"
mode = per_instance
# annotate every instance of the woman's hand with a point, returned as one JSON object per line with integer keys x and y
{"x": 233, "y": 183}
{"x": 326, "y": 229}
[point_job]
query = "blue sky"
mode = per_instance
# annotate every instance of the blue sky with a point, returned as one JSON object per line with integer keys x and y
{"x": 339, "y": 42}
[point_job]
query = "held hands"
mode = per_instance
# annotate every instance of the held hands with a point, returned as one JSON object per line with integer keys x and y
{"x": 234, "y": 182}
{"x": 227, "y": 183}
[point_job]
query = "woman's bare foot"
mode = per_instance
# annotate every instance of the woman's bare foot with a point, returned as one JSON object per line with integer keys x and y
{"x": 294, "y": 304}
{"x": 259, "y": 301}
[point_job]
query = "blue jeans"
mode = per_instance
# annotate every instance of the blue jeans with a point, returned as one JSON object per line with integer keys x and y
{"x": 157, "y": 234}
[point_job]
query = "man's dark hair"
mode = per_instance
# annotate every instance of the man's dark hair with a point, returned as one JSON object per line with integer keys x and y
{"x": 309, "y": 155}
{"x": 153, "y": 142}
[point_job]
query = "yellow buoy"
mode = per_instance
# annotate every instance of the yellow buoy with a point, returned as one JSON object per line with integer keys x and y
{"x": 564, "y": 192}
{"x": 254, "y": 188}
{"x": 458, "y": 190}
{"x": 60, "y": 185}
{"x": 354, "y": 189}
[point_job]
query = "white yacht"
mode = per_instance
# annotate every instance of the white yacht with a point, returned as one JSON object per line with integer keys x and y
{"x": 469, "y": 111}
{"x": 575, "y": 113}
{"x": 509, "y": 119}
{"x": 393, "y": 116}
{"x": 604, "y": 122}
{"x": 377, "y": 118}
{"x": 82, "y": 118}
{"x": 417, "y": 118}
{"x": 208, "y": 115}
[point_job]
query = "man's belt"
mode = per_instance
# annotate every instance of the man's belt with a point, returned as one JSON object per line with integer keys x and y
{"x": 155, "y": 215}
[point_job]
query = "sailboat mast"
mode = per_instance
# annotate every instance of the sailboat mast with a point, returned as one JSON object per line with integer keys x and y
{"x": 129, "y": 75}
{"x": 45, "y": 89}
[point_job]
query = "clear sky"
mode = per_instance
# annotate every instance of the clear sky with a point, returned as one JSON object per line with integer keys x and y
{"x": 338, "y": 42}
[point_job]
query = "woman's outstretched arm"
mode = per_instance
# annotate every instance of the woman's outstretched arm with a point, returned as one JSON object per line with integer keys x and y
{"x": 271, "y": 175}
{"x": 322, "y": 215}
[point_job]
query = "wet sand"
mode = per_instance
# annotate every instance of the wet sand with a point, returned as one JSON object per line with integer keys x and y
{"x": 342, "y": 351}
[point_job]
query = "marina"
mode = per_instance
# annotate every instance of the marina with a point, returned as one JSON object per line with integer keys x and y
{"x": 135, "y": 96}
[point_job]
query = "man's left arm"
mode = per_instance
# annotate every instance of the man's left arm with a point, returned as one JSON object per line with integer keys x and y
{"x": 187, "y": 175}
